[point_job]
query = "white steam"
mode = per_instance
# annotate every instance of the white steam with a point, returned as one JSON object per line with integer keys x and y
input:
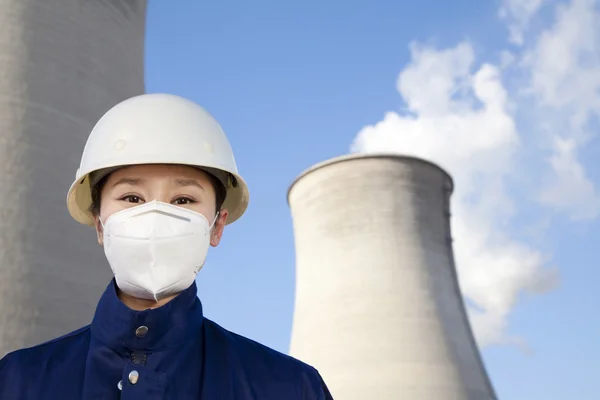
{"x": 459, "y": 114}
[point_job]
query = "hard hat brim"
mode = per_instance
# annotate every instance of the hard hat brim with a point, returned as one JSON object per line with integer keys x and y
{"x": 79, "y": 199}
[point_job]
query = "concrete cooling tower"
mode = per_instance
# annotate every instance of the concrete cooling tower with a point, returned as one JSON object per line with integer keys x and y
{"x": 378, "y": 308}
{"x": 63, "y": 63}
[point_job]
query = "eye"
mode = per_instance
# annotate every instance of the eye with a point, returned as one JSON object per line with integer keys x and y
{"x": 180, "y": 201}
{"x": 131, "y": 198}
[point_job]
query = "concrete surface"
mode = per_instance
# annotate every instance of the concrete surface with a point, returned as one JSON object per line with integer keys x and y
{"x": 63, "y": 63}
{"x": 378, "y": 310}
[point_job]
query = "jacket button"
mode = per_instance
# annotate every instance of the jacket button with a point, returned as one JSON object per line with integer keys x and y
{"x": 141, "y": 331}
{"x": 120, "y": 385}
{"x": 133, "y": 377}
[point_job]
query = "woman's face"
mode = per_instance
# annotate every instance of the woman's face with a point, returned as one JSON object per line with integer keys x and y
{"x": 179, "y": 185}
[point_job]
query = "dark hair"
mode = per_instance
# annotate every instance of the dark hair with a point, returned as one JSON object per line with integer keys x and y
{"x": 220, "y": 193}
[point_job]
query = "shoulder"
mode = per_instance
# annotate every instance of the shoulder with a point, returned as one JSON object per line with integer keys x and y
{"x": 55, "y": 351}
{"x": 264, "y": 364}
{"x": 246, "y": 347}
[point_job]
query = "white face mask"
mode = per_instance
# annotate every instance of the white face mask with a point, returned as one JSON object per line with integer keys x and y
{"x": 156, "y": 249}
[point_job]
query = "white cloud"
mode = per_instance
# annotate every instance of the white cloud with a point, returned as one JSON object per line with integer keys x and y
{"x": 565, "y": 62}
{"x": 518, "y": 14}
{"x": 458, "y": 114}
{"x": 570, "y": 190}
{"x": 565, "y": 80}
{"x": 459, "y": 118}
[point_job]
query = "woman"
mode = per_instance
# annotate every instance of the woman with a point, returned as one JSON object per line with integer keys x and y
{"x": 159, "y": 182}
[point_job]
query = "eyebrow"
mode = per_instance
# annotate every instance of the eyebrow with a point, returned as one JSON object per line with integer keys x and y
{"x": 128, "y": 181}
{"x": 188, "y": 182}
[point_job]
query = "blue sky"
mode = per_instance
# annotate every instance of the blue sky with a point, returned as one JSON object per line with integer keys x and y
{"x": 298, "y": 83}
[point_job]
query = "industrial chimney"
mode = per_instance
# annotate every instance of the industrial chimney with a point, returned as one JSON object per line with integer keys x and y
{"x": 378, "y": 307}
{"x": 63, "y": 63}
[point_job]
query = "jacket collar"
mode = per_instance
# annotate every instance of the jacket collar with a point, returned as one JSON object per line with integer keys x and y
{"x": 168, "y": 326}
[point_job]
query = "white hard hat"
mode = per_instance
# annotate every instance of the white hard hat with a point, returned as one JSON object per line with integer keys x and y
{"x": 157, "y": 129}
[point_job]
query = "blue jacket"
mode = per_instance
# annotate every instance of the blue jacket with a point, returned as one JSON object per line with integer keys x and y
{"x": 171, "y": 352}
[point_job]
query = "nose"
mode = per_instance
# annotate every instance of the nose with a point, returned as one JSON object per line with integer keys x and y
{"x": 160, "y": 195}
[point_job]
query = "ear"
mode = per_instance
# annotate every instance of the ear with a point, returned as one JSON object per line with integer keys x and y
{"x": 217, "y": 231}
{"x": 99, "y": 230}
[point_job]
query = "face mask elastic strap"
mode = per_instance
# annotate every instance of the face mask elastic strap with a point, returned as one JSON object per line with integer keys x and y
{"x": 214, "y": 221}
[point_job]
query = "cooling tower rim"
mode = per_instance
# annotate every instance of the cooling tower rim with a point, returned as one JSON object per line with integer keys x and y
{"x": 361, "y": 156}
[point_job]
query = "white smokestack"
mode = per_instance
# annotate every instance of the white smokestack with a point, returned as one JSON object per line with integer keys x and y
{"x": 64, "y": 63}
{"x": 378, "y": 306}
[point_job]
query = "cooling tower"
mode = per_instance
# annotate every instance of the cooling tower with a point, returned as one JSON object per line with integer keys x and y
{"x": 378, "y": 308}
{"x": 63, "y": 64}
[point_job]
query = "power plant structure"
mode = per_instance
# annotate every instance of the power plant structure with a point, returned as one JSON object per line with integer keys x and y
{"x": 64, "y": 63}
{"x": 378, "y": 309}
